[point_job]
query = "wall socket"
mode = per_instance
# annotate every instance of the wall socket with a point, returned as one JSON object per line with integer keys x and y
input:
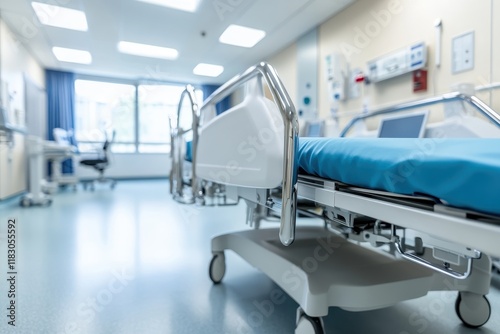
{"x": 462, "y": 53}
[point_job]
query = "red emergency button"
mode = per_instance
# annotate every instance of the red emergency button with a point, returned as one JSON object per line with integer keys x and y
{"x": 359, "y": 78}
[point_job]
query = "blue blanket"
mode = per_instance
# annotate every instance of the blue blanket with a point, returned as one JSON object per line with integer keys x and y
{"x": 464, "y": 173}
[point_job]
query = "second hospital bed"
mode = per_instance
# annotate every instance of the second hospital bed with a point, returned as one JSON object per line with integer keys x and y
{"x": 430, "y": 208}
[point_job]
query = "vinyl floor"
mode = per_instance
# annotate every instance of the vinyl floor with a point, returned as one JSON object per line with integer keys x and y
{"x": 131, "y": 260}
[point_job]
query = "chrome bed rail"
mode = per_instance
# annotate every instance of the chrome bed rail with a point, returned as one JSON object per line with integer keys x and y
{"x": 474, "y": 101}
{"x": 176, "y": 132}
{"x": 173, "y": 134}
{"x": 189, "y": 92}
{"x": 291, "y": 125}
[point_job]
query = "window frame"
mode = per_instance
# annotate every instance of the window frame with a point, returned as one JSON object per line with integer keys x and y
{"x": 136, "y": 83}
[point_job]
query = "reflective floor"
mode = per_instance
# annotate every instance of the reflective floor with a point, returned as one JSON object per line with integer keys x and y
{"x": 130, "y": 260}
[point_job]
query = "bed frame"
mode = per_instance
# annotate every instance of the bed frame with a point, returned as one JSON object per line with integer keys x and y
{"x": 374, "y": 248}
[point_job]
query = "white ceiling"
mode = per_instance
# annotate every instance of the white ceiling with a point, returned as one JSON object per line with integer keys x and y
{"x": 113, "y": 20}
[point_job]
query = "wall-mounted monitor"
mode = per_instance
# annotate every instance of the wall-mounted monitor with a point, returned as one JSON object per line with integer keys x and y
{"x": 314, "y": 129}
{"x": 404, "y": 126}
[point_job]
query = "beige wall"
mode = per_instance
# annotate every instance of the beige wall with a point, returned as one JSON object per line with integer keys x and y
{"x": 396, "y": 24}
{"x": 285, "y": 64}
{"x": 495, "y": 98}
{"x": 16, "y": 63}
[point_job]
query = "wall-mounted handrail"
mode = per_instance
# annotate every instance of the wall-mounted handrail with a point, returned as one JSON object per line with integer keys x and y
{"x": 491, "y": 86}
{"x": 456, "y": 96}
{"x": 291, "y": 124}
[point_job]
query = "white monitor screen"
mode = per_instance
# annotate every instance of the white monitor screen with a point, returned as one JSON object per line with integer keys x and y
{"x": 406, "y": 126}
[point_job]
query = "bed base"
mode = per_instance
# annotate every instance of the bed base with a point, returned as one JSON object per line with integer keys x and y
{"x": 322, "y": 269}
{"x": 496, "y": 265}
{"x": 390, "y": 248}
{"x": 470, "y": 229}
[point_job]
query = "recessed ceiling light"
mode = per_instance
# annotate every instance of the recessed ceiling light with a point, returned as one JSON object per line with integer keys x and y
{"x": 145, "y": 50}
{"x": 185, "y": 5}
{"x": 60, "y": 17}
{"x": 72, "y": 55}
{"x": 208, "y": 70}
{"x": 241, "y": 36}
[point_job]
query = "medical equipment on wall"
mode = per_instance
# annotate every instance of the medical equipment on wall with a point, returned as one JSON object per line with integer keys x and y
{"x": 307, "y": 75}
{"x": 440, "y": 245}
{"x": 337, "y": 75}
{"x": 343, "y": 84}
{"x": 7, "y": 128}
{"x": 438, "y": 26}
{"x": 399, "y": 62}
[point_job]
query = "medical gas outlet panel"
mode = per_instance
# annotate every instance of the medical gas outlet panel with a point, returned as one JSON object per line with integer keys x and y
{"x": 342, "y": 81}
{"x": 399, "y": 62}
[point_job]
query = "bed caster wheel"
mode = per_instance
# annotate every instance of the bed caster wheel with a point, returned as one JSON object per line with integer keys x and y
{"x": 474, "y": 310}
{"x": 217, "y": 268}
{"x": 308, "y": 325}
{"x": 113, "y": 185}
{"x": 25, "y": 202}
{"x": 200, "y": 201}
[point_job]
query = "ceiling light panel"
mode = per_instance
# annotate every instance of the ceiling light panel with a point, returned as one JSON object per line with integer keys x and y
{"x": 72, "y": 55}
{"x": 184, "y": 5}
{"x": 60, "y": 17}
{"x": 208, "y": 70}
{"x": 145, "y": 50}
{"x": 241, "y": 36}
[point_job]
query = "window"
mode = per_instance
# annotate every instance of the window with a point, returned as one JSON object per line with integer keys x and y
{"x": 156, "y": 104}
{"x": 141, "y": 126}
{"x": 104, "y": 106}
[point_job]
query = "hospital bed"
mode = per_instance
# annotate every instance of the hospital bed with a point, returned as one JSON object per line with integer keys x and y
{"x": 381, "y": 242}
{"x": 185, "y": 186}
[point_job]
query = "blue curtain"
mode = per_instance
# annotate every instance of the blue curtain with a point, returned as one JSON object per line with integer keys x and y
{"x": 222, "y": 105}
{"x": 60, "y": 105}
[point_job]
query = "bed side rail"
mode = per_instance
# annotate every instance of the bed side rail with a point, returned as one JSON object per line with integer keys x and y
{"x": 291, "y": 127}
{"x": 189, "y": 92}
{"x": 173, "y": 135}
{"x": 176, "y": 133}
{"x": 474, "y": 101}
